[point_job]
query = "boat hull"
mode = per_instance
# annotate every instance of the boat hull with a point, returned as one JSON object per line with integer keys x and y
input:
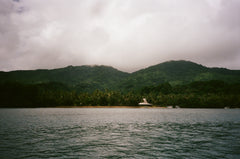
{"x": 144, "y": 104}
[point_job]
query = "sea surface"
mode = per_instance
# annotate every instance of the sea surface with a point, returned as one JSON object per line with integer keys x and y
{"x": 64, "y": 133}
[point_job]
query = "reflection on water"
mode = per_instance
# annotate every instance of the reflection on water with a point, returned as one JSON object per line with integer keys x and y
{"x": 119, "y": 133}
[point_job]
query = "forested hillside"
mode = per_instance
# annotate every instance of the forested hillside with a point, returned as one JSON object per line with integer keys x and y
{"x": 182, "y": 83}
{"x": 81, "y": 78}
{"x": 178, "y": 73}
{"x": 90, "y": 78}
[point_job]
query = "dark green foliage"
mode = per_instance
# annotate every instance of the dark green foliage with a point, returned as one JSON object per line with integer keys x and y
{"x": 208, "y": 94}
{"x": 205, "y": 94}
{"x": 180, "y": 83}
{"x": 164, "y": 88}
{"x": 90, "y": 78}
{"x": 82, "y": 78}
{"x": 177, "y": 73}
{"x": 13, "y": 94}
{"x": 17, "y": 95}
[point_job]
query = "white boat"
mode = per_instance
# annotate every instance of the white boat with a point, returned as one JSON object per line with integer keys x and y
{"x": 145, "y": 103}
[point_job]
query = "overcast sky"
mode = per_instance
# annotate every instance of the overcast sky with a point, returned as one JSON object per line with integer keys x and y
{"x": 126, "y": 34}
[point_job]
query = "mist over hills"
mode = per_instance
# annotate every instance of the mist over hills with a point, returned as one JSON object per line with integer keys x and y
{"x": 89, "y": 78}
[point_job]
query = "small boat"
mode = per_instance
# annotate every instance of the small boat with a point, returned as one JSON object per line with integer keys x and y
{"x": 144, "y": 103}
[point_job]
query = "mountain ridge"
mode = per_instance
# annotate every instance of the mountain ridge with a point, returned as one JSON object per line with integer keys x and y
{"x": 179, "y": 72}
{"x": 96, "y": 65}
{"x": 92, "y": 77}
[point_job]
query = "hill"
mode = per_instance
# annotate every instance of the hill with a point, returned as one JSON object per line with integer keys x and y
{"x": 84, "y": 78}
{"x": 178, "y": 73}
{"x": 174, "y": 83}
{"x": 90, "y": 78}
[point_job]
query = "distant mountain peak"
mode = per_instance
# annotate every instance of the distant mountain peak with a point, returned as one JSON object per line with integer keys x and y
{"x": 181, "y": 62}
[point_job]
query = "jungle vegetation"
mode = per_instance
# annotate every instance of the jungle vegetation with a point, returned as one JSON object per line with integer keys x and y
{"x": 204, "y": 94}
{"x": 181, "y": 83}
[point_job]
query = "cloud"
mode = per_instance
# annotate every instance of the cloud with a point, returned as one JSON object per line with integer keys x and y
{"x": 125, "y": 34}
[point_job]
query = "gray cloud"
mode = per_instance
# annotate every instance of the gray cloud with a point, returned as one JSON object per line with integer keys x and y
{"x": 128, "y": 35}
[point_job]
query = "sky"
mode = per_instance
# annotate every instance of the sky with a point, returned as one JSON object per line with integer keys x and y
{"x": 126, "y": 34}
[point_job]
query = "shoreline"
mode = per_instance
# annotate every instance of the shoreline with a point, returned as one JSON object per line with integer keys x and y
{"x": 108, "y": 107}
{"x": 133, "y": 107}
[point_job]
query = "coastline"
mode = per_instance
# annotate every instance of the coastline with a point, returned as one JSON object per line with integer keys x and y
{"x": 127, "y": 107}
{"x": 108, "y": 107}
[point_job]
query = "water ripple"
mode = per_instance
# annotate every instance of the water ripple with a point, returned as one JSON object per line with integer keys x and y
{"x": 124, "y": 133}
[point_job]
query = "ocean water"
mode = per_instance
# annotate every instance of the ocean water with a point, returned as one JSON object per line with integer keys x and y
{"x": 119, "y": 133}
